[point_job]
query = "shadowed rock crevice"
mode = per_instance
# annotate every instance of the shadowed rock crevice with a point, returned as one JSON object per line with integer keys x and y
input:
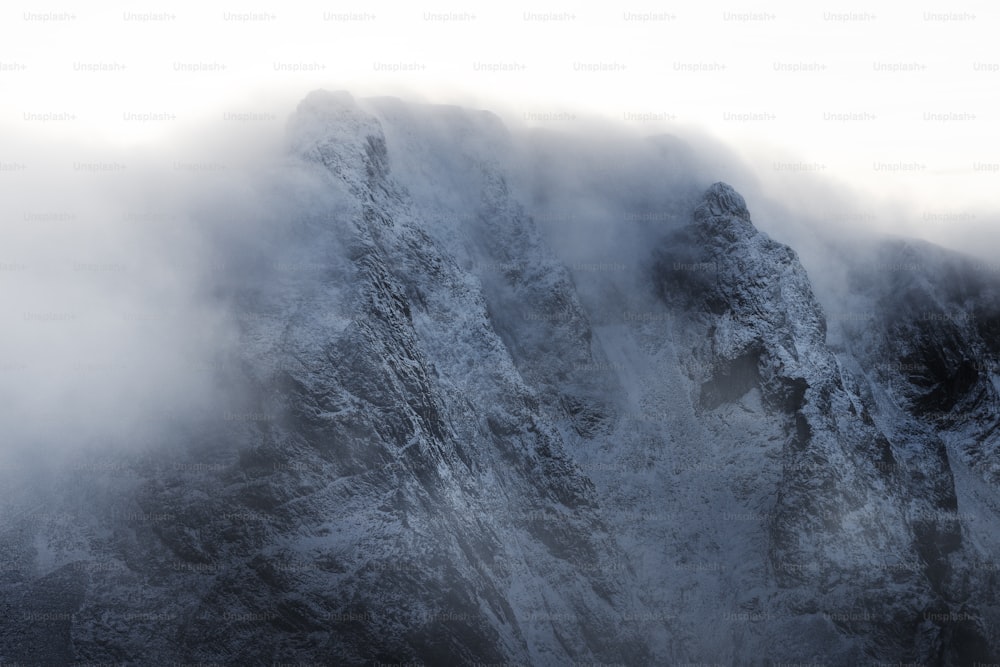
{"x": 731, "y": 380}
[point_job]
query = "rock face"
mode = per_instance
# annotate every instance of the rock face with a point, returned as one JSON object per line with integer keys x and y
{"x": 456, "y": 449}
{"x": 861, "y": 510}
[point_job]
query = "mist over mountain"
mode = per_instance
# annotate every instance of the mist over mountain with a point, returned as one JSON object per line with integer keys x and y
{"x": 425, "y": 387}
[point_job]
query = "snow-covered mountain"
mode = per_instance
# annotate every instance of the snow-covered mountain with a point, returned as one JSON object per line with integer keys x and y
{"x": 526, "y": 407}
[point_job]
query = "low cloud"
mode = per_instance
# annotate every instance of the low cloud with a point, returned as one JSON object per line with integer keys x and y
{"x": 125, "y": 271}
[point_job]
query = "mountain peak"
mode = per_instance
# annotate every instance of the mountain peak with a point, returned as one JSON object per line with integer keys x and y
{"x": 325, "y": 117}
{"x": 722, "y": 200}
{"x": 333, "y": 129}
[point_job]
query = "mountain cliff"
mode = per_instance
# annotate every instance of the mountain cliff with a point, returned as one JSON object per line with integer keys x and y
{"x": 454, "y": 442}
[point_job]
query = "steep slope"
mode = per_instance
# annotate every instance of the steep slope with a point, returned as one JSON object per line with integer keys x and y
{"x": 401, "y": 496}
{"x": 924, "y": 344}
{"x": 858, "y": 527}
{"x": 754, "y": 492}
{"x": 491, "y": 406}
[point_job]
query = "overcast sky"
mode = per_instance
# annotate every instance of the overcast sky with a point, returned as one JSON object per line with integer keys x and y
{"x": 900, "y": 100}
{"x": 846, "y": 87}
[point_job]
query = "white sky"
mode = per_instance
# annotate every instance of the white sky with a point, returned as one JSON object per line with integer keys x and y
{"x": 953, "y": 45}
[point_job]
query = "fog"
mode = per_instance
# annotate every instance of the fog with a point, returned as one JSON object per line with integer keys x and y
{"x": 125, "y": 267}
{"x": 122, "y": 271}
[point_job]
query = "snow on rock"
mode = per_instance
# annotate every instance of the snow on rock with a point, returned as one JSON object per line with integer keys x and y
{"x": 457, "y": 449}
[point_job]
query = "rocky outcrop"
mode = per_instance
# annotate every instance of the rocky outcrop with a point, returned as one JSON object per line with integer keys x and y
{"x": 403, "y": 497}
{"x": 851, "y": 495}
